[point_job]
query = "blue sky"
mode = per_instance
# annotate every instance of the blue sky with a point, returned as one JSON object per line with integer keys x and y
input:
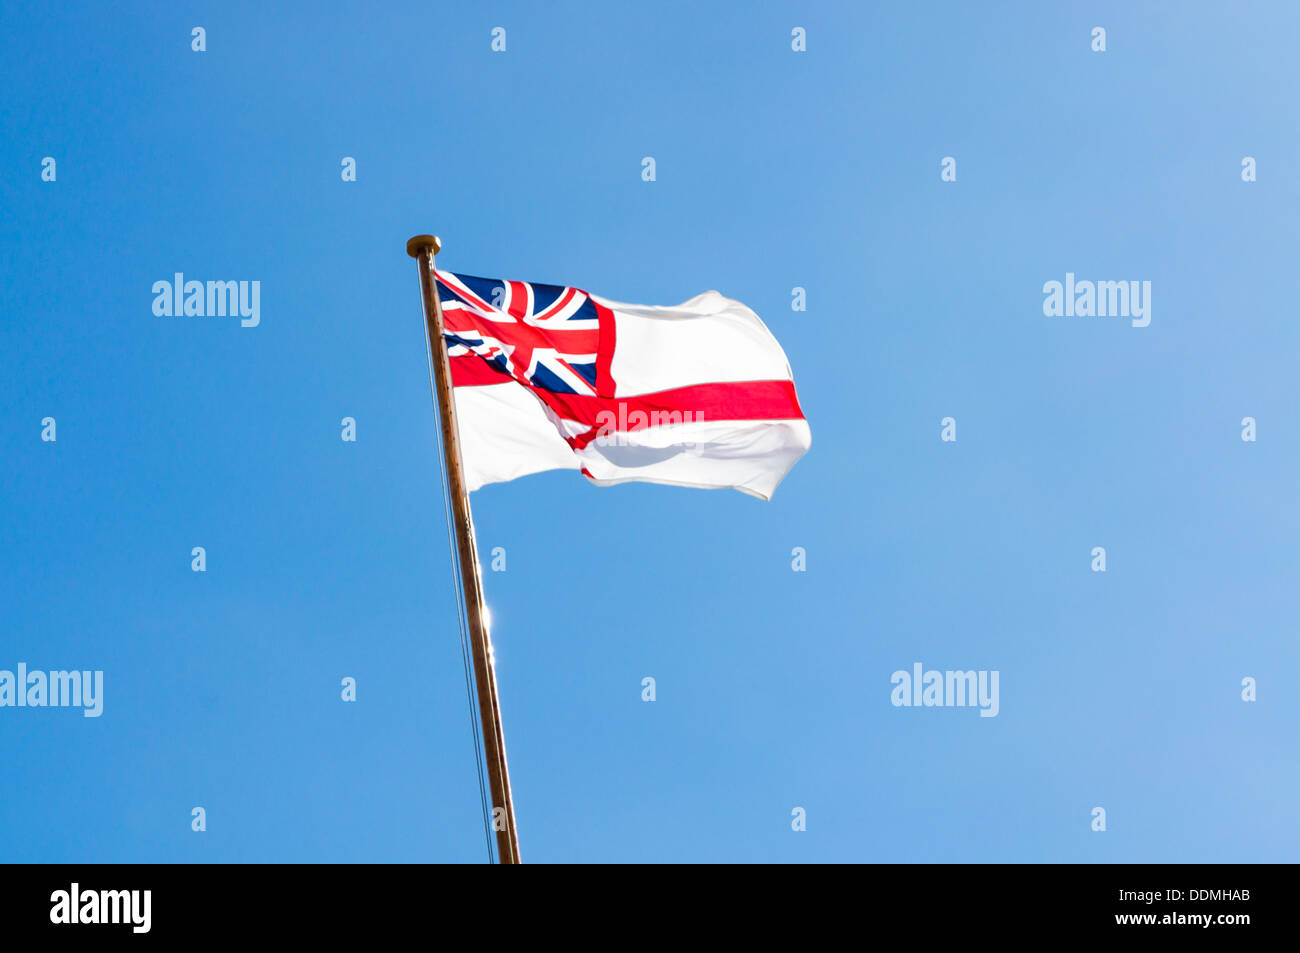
{"x": 775, "y": 169}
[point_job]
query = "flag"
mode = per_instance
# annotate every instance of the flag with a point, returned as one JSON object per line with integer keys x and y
{"x": 547, "y": 377}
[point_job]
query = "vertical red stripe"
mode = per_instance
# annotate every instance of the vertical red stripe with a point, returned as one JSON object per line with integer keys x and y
{"x": 518, "y": 300}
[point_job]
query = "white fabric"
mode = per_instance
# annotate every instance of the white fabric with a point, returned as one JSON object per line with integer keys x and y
{"x": 505, "y": 433}
{"x": 708, "y": 338}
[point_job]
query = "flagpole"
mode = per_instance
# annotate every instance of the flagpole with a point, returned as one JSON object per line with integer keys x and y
{"x": 423, "y": 248}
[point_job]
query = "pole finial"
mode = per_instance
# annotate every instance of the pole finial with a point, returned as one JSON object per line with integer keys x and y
{"x": 416, "y": 246}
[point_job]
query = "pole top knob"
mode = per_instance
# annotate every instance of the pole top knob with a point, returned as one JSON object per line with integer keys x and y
{"x": 416, "y": 246}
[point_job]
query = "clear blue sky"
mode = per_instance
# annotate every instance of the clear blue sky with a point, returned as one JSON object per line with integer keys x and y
{"x": 775, "y": 169}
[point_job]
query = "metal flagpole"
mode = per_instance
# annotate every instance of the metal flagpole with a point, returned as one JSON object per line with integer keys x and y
{"x": 422, "y": 248}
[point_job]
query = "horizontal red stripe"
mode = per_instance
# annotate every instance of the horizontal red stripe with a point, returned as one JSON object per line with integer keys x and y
{"x": 738, "y": 400}
{"x": 470, "y": 370}
{"x": 732, "y": 400}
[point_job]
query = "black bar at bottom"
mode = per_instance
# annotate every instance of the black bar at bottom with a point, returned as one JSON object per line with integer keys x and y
{"x": 185, "y": 902}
